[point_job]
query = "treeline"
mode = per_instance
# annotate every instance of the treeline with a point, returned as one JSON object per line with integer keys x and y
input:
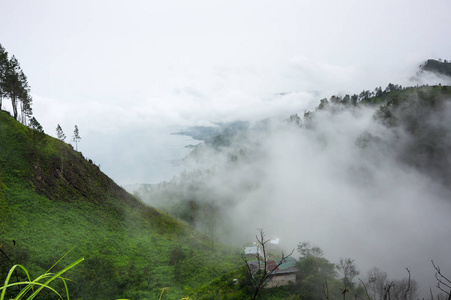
{"x": 321, "y": 279}
{"x": 364, "y": 96}
{"x": 437, "y": 66}
{"x": 379, "y": 96}
{"x": 316, "y": 278}
{"x": 14, "y": 86}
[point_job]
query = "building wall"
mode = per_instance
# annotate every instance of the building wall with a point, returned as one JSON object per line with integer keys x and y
{"x": 281, "y": 280}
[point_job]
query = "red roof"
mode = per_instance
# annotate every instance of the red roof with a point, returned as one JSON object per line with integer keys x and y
{"x": 271, "y": 265}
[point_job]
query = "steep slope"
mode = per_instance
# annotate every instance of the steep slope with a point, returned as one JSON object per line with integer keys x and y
{"x": 52, "y": 199}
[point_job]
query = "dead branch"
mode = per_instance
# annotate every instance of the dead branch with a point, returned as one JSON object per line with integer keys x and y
{"x": 442, "y": 280}
{"x": 366, "y": 290}
{"x": 408, "y": 285}
{"x": 387, "y": 291}
{"x": 262, "y": 277}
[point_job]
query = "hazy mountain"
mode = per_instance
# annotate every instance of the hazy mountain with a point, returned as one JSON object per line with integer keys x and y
{"x": 437, "y": 66}
{"x": 369, "y": 181}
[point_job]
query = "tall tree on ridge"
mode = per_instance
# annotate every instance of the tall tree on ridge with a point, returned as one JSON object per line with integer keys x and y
{"x": 37, "y": 133}
{"x": 60, "y": 134}
{"x": 24, "y": 97}
{"x": 76, "y": 137}
{"x": 3, "y": 67}
{"x": 14, "y": 85}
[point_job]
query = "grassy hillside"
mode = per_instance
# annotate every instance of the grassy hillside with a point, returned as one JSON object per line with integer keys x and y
{"x": 52, "y": 199}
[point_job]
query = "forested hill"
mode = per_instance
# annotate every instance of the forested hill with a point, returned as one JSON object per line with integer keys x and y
{"x": 437, "y": 66}
{"x": 53, "y": 199}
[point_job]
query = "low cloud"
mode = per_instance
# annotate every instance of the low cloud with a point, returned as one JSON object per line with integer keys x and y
{"x": 341, "y": 185}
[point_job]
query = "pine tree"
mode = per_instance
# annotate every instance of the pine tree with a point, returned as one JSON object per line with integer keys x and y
{"x": 76, "y": 137}
{"x": 35, "y": 125}
{"x": 24, "y": 97}
{"x": 14, "y": 85}
{"x": 59, "y": 133}
{"x": 37, "y": 132}
{"x": 3, "y": 68}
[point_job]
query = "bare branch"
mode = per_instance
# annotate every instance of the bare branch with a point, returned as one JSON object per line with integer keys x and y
{"x": 442, "y": 280}
{"x": 408, "y": 285}
{"x": 262, "y": 276}
{"x": 366, "y": 290}
{"x": 387, "y": 291}
{"x": 438, "y": 271}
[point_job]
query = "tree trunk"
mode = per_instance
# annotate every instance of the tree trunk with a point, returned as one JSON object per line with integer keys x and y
{"x": 14, "y": 103}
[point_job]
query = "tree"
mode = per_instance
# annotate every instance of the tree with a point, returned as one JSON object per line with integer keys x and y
{"x": 35, "y": 125}
{"x": 443, "y": 282}
{"x": 37, "y": 132}
{"x": 346, "y": 99}
{"x": 378, "y": 286}
{"x": 261, "y": 275}
{"x": 323, "y": 103}
{"x": 364, "y": 95}
{"x": 317, "y": 276}
{"x": 376, "y": 282}
{"x": 76, "y": 137}
{"x": 3, "y": 67}
{"x": 24, "y": 97}
{"x": 12, "y": 83}
{"x": 378, "y": 92}
{"x": 306, "y": 250}
{"x": 295, "y": 119}
{"x": 176, "y": 257}
{"x": 354, "y": 99}
{"x": 15, "y": 86}
{"x": 349, "y": 270}
{"x": 59, "y": 133}
{"x": 404, "y": 289}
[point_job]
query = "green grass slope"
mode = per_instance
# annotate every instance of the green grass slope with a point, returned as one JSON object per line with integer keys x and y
{"x": 52, "y": 199}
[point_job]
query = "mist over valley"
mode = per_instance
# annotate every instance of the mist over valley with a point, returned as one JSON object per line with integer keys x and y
{"x": 370, "y": 182}
{"x": 277, "y": 150}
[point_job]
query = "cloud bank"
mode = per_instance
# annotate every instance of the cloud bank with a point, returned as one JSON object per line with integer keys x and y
{"x": 145, "y": 67}
{"x": 344, "y": 184}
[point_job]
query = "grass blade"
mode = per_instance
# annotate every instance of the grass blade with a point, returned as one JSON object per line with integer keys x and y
{"x": 29, "y": 284}
{"x": 60, "y": 259}
{"x": 57, "y": 275}
{"x": 8, "y": 277}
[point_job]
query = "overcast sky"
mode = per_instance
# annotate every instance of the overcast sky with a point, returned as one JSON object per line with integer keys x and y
{"x": 129, "y": 73}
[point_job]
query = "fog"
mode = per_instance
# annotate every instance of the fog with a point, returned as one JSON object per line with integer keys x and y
{"x": 129, "y": 73}
{"x": 342, "y": 183}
